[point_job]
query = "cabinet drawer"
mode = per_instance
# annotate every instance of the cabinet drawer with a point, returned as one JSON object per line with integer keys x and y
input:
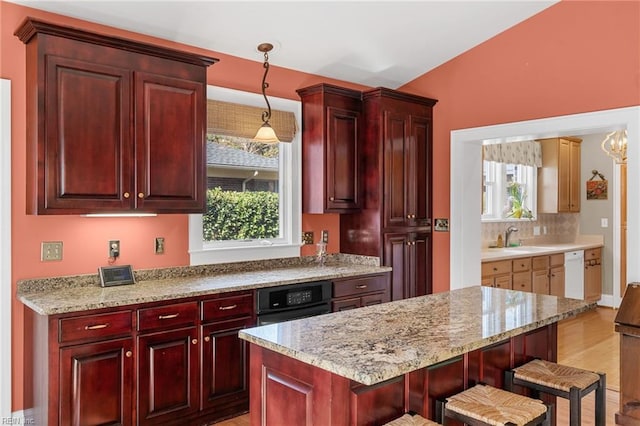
{"x": 523, "y": 264}
{"x": 522, "y": 281}
{"x": 494, "y": 268}
{"x": 360, "y": 285}
{"x": 592, "y": 254}
{"x": 540, "y": 262}
{"x": 94, "y": 326}
{"x": 556, "y": 259}
{"x": 228, "y": 307}
{"x": 175, "y": 315}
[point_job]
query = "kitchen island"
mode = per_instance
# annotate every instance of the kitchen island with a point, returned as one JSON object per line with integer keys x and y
{"x": 370, "y": 365}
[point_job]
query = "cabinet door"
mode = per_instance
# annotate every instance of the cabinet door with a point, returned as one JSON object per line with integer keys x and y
{"x": 343, "y": 160}
{"x": 170, "y": 140}
{"x": 96, "y": 383}
{"x": 522, "y": 281}
{"x": 593, "y": 281}
{"x": 375, "y": 299}
{"x": 575, "y": 182}
{"x": 410, "y": 257}
{"x": 225, "y": 363}
{"x": 503, "y": 281}
{"x": 556, "y": 281}
{"x": 564, "y": 175}
{"x": 85, "y": 149}
{"x": 167, "y": 375}
{"x": 397, "y": 170}
{"x": 540, "y": 281}
{"x": 419, "y": 195}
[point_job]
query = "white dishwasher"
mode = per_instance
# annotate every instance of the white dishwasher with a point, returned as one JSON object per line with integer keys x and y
{"x": 574, "y": 274}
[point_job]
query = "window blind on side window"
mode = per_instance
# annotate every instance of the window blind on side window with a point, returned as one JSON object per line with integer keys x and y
{"x": 226, "y": 118}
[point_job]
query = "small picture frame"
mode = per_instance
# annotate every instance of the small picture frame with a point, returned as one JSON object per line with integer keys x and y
{"x": 597, "y": 190}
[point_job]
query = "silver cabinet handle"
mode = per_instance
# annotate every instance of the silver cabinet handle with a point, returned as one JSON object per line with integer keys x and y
{"x": 96, "y": 327}
{"x": 226, "y": 308}
{"x": 162, "y": 317}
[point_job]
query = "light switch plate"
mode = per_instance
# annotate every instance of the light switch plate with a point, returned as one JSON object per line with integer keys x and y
{"x": 51, "y": 251}
{"x": 441, "y": 224}
{"x": 307, "y": 237}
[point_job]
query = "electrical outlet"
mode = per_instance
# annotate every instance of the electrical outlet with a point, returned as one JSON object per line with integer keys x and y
{"x": 441, "y": 224}
{"x": 51, "y": 251}
{"x": 307, "y": 237}
{"x": 325, "y": 236}
{"x": 159, "y": 245}
{"x": 114, "y": 248}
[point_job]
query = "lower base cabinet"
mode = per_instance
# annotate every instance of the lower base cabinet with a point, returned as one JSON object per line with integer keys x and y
{"x": 160, "y": 363}
{"x": 95, "y": 385}
{"x": 352, "y": 293}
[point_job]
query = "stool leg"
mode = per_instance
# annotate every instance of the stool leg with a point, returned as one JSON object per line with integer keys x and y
{"x": 575, "y": 407}
{"x": 548, "y": 416}
{"x": 508, "y": 380}
{"x": 439, "y": 414}
{"x": 601, "y": 403}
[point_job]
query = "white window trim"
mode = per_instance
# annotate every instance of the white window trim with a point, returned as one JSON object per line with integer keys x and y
{"x": 6, "y": 298}
{"x": 288, "y": 245}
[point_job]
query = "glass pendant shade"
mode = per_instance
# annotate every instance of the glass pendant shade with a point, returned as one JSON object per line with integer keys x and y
{"x": 266, "y": 134}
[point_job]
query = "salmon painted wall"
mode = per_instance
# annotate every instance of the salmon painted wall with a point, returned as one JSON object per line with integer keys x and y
{"x": 574, "y": 57}
{"x": 85, "y": 239}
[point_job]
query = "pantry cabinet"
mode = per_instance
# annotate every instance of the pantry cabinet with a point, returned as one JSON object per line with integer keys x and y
{"x": 395, "y": 221}
{"x": 559, "y": 177}
{"x": 331, "y": 139}
{"x": 113, "y": 125}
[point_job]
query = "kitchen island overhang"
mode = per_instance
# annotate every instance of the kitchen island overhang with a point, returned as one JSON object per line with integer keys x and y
{"x": 405, "y": 353}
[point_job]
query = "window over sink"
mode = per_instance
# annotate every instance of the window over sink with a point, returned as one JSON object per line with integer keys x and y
{"x": 253, "y": 189}
{"x": 509, "y": 192}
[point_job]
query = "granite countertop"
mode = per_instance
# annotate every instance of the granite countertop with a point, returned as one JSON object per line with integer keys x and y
{"x": 50, "y": 296}
{"x": 380, "y": 342}
{"x": 538, "y": 249}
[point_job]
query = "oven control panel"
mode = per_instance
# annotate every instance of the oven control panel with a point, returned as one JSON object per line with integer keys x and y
{"x": 293, "y": 296}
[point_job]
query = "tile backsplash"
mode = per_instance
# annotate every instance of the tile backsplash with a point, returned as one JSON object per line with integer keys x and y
{"x": 560, "y": 227}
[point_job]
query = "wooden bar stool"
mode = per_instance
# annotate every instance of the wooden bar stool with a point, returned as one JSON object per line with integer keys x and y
{"x": 411, "y": 420}
{"x": 486, "y": 405}
{"x": 563, "y": 381}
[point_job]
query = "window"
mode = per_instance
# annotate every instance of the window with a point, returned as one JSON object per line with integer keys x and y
{"x": 508, "y": 191}
{"x": 243, "y": 173}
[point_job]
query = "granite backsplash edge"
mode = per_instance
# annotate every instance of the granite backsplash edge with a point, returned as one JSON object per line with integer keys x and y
{"x": 32, "y": 285}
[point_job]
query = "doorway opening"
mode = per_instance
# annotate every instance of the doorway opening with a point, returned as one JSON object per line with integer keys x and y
{"x": 466, "y": 166}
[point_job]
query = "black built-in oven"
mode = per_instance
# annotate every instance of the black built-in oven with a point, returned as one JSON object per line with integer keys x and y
{"x": 288, "y": 302}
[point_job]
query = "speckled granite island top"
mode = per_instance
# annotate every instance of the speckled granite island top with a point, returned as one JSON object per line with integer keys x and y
{"x": 50, "y": 296}
{"x": 380, "y": 342}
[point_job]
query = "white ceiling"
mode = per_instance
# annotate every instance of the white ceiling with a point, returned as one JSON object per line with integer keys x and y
{"x": 374, "y": 43}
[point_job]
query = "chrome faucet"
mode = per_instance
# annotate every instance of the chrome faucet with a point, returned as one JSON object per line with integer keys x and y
{"x": 507, "y": 234}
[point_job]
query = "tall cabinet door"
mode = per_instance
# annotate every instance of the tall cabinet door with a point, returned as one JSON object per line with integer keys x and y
{"x": 419, "y": 199}
{"x": 169, "y": 131}
{"x": 576, "y": 182}
{"x": 96, "y": 383}
{"x": 87, "y": 141}
{"x": 398, "y": 170}
{"x": 343, "y": 159}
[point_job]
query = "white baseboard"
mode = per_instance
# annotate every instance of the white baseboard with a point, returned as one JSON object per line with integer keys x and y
{"x": 607, "y": 300}
{"x": 23, "y": 417}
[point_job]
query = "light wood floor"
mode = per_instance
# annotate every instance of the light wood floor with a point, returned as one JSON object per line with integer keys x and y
{"x": 587, "y": 341}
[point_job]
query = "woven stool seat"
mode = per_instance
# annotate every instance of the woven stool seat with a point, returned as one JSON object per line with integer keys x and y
{"x": 496, "y": 407}
{"x": 409, "y": 420}
{"x": 563, "y": 381}
{"x": 555, "y": 376}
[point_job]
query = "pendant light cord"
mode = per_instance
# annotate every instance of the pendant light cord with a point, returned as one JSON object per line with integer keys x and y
{"x": 266, "y": 115}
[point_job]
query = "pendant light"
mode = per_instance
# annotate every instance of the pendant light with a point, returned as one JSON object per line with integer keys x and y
{"x": 266, "y": 134}
{"x": 615, "y": 146}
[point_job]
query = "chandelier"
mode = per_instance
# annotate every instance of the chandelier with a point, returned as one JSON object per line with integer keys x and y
{"x": 615, "y": 146}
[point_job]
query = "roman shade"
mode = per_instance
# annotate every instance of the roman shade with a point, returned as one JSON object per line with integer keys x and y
{"x": 231, "y": 119}
{"x": 527, "y": 153}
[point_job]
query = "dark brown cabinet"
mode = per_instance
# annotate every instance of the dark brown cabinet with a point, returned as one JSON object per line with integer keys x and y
{"x": 351, "y": 293}
{"x": 114, "y": 125}
{"x": 395, "y": 222}
{"x": 96, "y": 385}
{"x": 225, "y": 357}
{"x": 331, "y": 131}
{"x": 168, "y": 363}
{"x": 410, "y": 257}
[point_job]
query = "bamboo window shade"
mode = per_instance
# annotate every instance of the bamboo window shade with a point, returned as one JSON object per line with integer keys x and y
{"x": 231, "y": 119}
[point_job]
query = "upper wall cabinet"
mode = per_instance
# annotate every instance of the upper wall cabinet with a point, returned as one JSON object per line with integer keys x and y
{"x": 559, "y": 176}
{"x": 331, "y": 124}
{"x": 112, "y": 125}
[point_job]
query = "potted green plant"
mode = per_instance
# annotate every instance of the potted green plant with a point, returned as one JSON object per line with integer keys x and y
{"x": 516, "y": 202}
